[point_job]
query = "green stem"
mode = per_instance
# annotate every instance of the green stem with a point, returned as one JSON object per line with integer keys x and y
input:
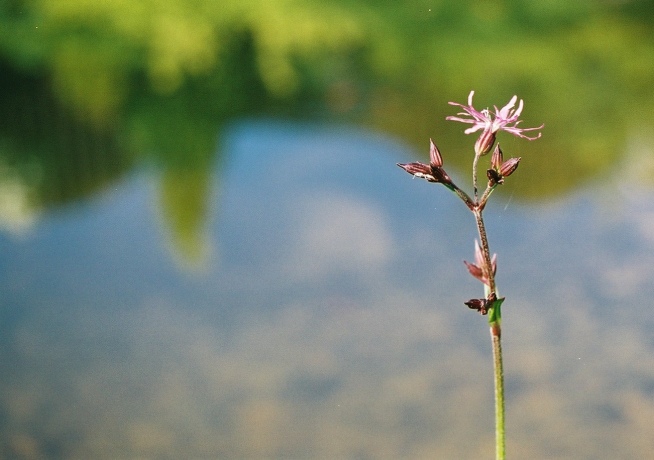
{"x": 496, "y": 337}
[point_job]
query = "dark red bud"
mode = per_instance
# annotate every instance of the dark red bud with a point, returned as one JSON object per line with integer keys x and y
{"x": 485, "y": 142}
{"x": 423, "y": 171}
{"x": 509, "y": 166}
{"x": 435, "y": 159}
{"x": 417, "y": 169}
{"x": 497, "y": 159}
{"x": 481, "y": 305}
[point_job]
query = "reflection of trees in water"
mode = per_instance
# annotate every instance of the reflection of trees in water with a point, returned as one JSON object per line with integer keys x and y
{"x": 58, "y": 157}
{"x": 185, "y": 204}
{"x": 50, "y": 156}
{"x": 122, "y": 83}
{"x": 586, "y": 67}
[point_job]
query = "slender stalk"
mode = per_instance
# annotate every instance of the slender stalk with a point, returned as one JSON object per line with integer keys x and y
{"x": 474, "y": 175}
{"x": 505, "y": 119}
{"x": 463, "y": 195}
{"x": 481, "y": 228}
{"x": 484, "y": 198}
{"x": 496, "y": 338}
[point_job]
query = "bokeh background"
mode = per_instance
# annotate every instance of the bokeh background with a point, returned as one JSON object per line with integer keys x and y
{"x": 207, "y": 251}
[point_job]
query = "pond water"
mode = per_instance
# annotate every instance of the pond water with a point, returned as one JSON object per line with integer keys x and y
{"x": 319, "y": 314}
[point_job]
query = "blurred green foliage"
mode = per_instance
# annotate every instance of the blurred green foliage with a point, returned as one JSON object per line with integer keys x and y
{"x": 585, "y": 64}
{"x": 155, "y": 79}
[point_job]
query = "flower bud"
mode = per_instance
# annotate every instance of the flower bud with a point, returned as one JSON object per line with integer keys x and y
{"x": 427, "y": 172}
{"x": 435, "y": 159}
{"x": 420, "y": 170}
{"x": 485, "y": 142}
{"x": 497, "y": 158}
{"x": 477, "y": 269}
{"x": 481, "y": 305}
{"x": 509, "y": 166}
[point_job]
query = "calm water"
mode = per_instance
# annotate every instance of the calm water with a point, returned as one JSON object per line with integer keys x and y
{"x": 319, "y": 314}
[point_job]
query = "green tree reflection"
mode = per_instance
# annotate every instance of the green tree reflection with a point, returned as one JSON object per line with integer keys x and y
{"x": 153, "y": 80}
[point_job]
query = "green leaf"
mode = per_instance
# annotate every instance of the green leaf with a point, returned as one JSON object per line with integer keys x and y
{"x": 495, "y": 311}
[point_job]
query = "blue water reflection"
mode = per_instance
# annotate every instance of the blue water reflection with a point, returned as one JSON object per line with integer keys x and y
{"x": 328, "y": 320}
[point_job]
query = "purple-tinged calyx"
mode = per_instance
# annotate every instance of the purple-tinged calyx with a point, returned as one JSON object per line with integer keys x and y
{"x": 433, "y": 172}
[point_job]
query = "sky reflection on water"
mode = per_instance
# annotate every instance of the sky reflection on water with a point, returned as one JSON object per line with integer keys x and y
{"x": 329, "y": 319}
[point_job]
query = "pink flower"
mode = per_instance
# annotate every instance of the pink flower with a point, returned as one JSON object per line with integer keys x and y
{"x": 505, "y": 119}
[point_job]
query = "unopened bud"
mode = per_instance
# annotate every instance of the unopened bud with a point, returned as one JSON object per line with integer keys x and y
{"x": 427, "y": 172}
{"x": 497, "y": 158}
{"x": 481, "y": 305}
{"x": 416, "y": 169}
{"x": 509, "y": 166}
{"x": 485, "y": 142}
{"x": 435, "y": 159}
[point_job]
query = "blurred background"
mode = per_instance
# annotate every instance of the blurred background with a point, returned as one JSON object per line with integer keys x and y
{"x": 207, "y": 251}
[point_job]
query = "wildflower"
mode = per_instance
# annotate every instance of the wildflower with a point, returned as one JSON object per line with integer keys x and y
{"x": 433, "y": 172}
{"x": 505, "y": 119}
{"x": 477, "y": 269}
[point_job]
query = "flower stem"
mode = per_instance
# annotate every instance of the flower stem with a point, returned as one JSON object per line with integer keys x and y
{"x": 485, "y": 196}
{"x": 481, "y": 229}
{"x": 496, "y": 337}
{"x": 463, "y": 195}
{"x": 474, "y": 176}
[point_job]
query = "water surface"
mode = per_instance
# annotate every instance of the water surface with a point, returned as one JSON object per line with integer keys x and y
{"x": 314, "y": 308}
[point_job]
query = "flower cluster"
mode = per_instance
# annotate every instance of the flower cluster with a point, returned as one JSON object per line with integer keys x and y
{"x": 489, "y": 123}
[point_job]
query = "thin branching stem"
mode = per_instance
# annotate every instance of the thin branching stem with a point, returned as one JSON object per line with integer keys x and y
{"x": 504, "y": 119}
{"x": 463, "y": 195}
{"x": 495, "y": 326}
{"x": 485, "y": 196}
